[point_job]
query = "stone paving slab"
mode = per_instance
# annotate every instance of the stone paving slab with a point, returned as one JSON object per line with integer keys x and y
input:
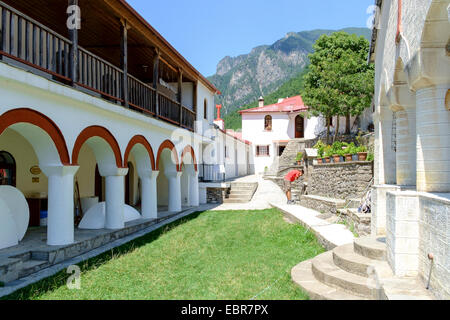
{"x": 13, "y": 286}
{"x": 329, "y": 235}
{"x": 267, "y": 192}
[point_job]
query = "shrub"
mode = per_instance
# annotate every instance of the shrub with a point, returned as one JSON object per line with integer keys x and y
{"x": 299, "y": 156}
{"x": 370, "y": 157}
{"x": 320, "y": 146}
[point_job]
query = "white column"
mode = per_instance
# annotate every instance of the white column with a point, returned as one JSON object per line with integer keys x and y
{"x": 406, "y": 147}
{"x": 174, "y": 191}
{"x": 433, "y": 140}
{"x": 115, "y": 199}
{"x": 149, "y": 196}
{"x": 60, "y": 225}
{"x": 194, "y": 200}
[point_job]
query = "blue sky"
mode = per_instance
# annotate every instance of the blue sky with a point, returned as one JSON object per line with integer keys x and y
{"x": 205, "y": 31}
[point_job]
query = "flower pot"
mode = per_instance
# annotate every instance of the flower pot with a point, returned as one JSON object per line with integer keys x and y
{"x": 336, "y": 158}
{"x": 362, "y": 156}
{"x": 348, "y": 158}
{"x": 354, "y": 157}
{"x": 328, "y": 160}
{"x": 319, "y": 160}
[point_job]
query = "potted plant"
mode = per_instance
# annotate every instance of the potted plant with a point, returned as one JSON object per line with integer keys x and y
{"x": 336, "y": 151}
{"x": 299, "y": 158}
{"x": 362, "y": 153}
{"x": 319, "y": 159}
{"x": 349, "y": 151}
{"x": 328, "y": 151}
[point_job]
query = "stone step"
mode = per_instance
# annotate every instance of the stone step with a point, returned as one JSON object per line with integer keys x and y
{"x": 327, "y": 272}
{"x": 246, "y": 191}
{"x": 240, "y": 196}
{"x": 243, "y": 185}
{"x": 353, "y": 203}
{"x": 236, "y": 201}
{"x": 303, "y": 276}
{"x": 372, "y": 248}
{"x": 347, "y": 259}
{"x": 32, "y": 266}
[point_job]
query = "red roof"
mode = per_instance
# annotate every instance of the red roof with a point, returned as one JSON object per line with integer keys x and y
{"x": 287, "y": 105}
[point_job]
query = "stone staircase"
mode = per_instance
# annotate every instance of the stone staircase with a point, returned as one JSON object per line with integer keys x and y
{"x": 293, "y": 147}
{"x": 357, "y": 271}
{"x": 241, "y": 192}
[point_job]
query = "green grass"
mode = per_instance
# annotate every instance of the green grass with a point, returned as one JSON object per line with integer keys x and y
{"x": 210, "y": 255}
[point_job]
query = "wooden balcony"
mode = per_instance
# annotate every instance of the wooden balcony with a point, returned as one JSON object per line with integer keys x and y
{"x": 31, "y": 45}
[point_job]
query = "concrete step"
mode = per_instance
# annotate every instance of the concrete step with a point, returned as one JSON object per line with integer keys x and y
{"x": 245, "y": 192}
{"x": 243, "y": 185}
{"x": 240, "y": 197}
{"x": 303, "y": 276}
{"x": 372, "y": 248}
{"x": 347, "y": 259}
{"x": 236, "y": 201}
{"x": 32, "y": 266}
{"x": 327, "y": 272}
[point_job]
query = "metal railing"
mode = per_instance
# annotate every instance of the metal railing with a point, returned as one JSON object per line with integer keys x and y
{"x": 211, "y": 173}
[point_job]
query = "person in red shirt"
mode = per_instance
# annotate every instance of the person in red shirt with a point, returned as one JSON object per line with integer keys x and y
{"x": 288, "y": 179}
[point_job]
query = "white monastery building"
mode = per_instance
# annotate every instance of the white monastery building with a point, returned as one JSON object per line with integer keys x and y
{"x": 269, "y": 128}
{"x": 100, "y": 116}
{"x": 411, "y": 198}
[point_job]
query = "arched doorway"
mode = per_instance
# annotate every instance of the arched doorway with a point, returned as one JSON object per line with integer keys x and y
{"x": 299, "y": 127}
{"x": 7, "y": 169}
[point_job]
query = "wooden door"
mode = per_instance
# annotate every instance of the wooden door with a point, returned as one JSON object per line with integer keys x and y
{"x": 299, "y": 127}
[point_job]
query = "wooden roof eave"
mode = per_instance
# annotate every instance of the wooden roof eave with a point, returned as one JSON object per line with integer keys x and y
{"x": 136, "y": 21}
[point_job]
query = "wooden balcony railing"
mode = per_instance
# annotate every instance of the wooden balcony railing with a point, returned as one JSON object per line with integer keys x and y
{"x": 36, "y": 47}
{"x": 169, "y": 109}
{"x": 31, "y": 43}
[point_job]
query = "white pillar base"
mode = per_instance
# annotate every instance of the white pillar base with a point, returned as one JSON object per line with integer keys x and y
{"x": 149, "y": 196}
{"x": 115, "y": 200}
{"x": 60, "y": 224}
{"x": 174, "y": 191}
{"x": 194, "y": 199}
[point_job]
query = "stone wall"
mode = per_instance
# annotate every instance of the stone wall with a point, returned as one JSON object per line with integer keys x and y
{"x": 343, "y": 180}
{"x": 434, "y": 230}
{"x": 216, "y": 195}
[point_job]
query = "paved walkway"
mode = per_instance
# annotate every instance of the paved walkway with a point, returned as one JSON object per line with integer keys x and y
{"x": 330, "y": 235}
{"x": 267, "y": 192}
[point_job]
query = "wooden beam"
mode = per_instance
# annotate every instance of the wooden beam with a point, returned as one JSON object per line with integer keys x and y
{"x": 73, "y": 55}
{"x": 124, "y": 60}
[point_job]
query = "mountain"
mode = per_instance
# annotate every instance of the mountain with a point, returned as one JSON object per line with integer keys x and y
{"x": 243, "y": 79}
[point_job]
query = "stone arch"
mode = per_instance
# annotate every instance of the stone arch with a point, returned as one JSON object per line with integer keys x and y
{"x": 403, "y": 103}
{"x": 41, "y": 131}
{"x": 167, "y": 144}
{"x": 142, "y": 147}
{"x": 436, "y": 31}
{"x": 103, "y": 143}
{"x": 188, "y": 150}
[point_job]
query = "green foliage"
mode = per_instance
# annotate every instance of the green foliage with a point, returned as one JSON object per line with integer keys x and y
{"x": 339, "y": 81}
{"x": 370, "y": 157}
{"x": 299, "y": 156}
{"x": 320, "y": 146}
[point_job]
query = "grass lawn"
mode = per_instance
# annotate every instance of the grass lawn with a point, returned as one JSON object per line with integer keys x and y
{"x": 209, "y": 255}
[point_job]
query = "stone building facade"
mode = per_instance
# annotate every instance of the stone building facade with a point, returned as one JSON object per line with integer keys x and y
{"x": 411, "y": 198}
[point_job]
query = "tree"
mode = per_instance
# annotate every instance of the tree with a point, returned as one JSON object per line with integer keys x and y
{"x": 340, "y": 82}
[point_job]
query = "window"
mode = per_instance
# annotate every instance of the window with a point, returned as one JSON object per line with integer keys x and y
{"x": 268, "y": 123}
{"x": 205, "y": 109}
{"x": 262, "y": 151}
